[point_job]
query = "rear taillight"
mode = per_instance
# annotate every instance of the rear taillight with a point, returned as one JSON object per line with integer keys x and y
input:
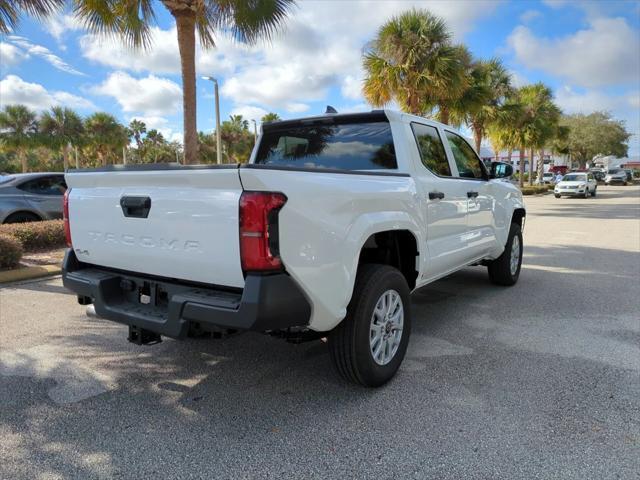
{"x": 65, "y": 216}
{"x": 259, "y": 231}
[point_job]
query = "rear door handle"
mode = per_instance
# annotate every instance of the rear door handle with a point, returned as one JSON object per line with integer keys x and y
{"x": 436, "y": 195}
{"x": 472, "y": 194}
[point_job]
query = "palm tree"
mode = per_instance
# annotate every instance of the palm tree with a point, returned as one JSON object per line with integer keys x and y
{"x": 270, "y": 117}
{"x": 18, "y": 130}
{"x": 489, "y": 87}
{"x": 245, "y": 20}
{"x": 105, "y": 135}
{"x": 11, "y": 11}
{"x": 540, "y": 121}
{"x": 136, "y": 129}
{"x": 61, "y": 128}
{"x": 412, "y": 60}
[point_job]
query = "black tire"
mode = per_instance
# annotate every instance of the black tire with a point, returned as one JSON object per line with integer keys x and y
{"x": 22, "y": 217}
{"x": 595, "y": 190}
{"x": 349, "y": 342}
{"x": 500, "y": 268}
{"x": 556, "y": 195}
{"x": 586, "y": 193}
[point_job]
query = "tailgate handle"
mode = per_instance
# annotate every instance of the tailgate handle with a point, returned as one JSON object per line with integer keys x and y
{"x": 136, "y": 207}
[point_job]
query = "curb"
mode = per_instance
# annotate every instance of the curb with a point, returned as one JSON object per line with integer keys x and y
{"x": 29, "y": 273}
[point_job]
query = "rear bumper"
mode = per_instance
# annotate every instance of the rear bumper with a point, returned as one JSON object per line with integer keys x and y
{"x": 269, "y": 302}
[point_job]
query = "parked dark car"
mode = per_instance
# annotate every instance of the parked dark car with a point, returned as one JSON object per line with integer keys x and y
{"x": 28, "y": 197}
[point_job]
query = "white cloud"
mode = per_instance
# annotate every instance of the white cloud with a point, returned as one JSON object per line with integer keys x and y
{"x": 517, "y": 79}
{"x": 10, "y": 55}
{"x": 530, "y": 15}
{"x": 604, "y": 54}
{"x": 58, "y": 25}
{"x": 151, "y": 95}
{"x": 352, "y": 87}
{"x": 571, "y": 101}
{"x": 162, "y": 57}
{"x": 44, "y": 53}
{"x": 15, "y": 90}
{"x": 250, "y": 112}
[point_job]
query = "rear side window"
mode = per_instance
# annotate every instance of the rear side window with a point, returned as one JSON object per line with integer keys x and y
{"x": 45, "y": 186}
{"x": 431, "y": 149}
{"x": 345, "y": 146}
{"x": 468, "y": 163}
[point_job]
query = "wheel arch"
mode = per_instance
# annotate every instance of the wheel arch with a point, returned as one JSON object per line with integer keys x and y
{"x": 20, "y": 211}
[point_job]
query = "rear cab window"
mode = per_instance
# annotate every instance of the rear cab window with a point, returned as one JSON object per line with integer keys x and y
{"x": 431, "y": 149}
{"x": 343, "y": 144}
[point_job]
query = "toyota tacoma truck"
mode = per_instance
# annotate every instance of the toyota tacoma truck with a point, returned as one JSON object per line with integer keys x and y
{"x": 324, "y": 234}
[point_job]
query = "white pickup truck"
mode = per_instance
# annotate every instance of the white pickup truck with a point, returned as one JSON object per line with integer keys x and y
{"x": 326, "y": 231}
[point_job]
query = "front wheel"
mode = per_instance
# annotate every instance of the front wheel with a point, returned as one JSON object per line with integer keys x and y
{"x": 557, "y": 196}
{"x": 586, "y": 193}
{"x": 505, "y": 269}
{"x": 593, "y": 194}
{"x": 369, "y": 345}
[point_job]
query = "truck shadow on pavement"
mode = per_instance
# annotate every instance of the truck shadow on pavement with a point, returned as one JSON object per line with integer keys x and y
{"x": 467, "y": 388}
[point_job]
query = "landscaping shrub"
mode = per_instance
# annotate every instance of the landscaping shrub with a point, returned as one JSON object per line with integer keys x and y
{"x": 36, "y": 235}
{"x": 10, "y": 251}
{"x": 532, "y": 190}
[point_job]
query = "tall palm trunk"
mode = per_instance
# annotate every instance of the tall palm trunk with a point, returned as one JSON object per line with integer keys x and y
{"x": 186, "y": 25}
{"x": 540, "y": 166}
{"x": 531, "y": 167}
{"x": 477, "y": 137}
{"x": 22, "y": 155}
{"x": 65, "y": 157}
{"x": 443, "y": 115}
{"x": 522, "y": 159}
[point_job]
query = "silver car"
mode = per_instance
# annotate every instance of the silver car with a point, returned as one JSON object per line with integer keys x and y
{"x": 616, "y": 175}
{"x": 28, "y": 197}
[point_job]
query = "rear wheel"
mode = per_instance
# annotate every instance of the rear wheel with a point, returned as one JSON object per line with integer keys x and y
{"x": 505, "y": 269}
{"x": 369, "y": 345}
{"x": 21, "y": 217}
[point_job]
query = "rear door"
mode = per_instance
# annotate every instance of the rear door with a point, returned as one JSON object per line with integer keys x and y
{"x": 474, "y": 180}
{"x": 45, "y": 194}
{"x": 443, "y": 199}
{"x": 178, "y": 223}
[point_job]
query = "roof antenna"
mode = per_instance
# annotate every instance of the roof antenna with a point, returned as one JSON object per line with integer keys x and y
{"x": 330, "y": 109}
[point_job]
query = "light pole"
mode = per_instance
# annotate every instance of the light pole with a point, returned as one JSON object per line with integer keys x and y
{"x": 218, "y": 137}
{"x": 255, "y": 131}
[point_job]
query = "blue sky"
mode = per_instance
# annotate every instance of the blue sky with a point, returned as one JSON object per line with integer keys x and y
{"x": 589, "y": 52}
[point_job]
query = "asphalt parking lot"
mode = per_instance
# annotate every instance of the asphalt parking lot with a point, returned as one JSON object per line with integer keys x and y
{"x": 541, "y": 380}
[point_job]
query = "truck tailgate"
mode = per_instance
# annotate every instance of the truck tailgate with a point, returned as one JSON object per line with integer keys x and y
{"x": 175, "y": 223}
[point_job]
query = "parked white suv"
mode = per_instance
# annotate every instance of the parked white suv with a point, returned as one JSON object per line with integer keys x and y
{"x": 325, "y": 233}
{"x": 578, "y": 184}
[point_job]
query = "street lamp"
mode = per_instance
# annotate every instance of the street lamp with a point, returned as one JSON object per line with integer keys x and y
{"x": 218, "y": 138}
{"x": 255, "y": 131}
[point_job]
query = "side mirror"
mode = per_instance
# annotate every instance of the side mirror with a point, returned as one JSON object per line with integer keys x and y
{"x": 501, "y": 170}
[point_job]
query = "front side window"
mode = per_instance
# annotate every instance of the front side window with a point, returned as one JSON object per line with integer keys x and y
{"x": 468, "y": 163}
{"x": 431, "y": 149}
{"x": 344, "y": 146}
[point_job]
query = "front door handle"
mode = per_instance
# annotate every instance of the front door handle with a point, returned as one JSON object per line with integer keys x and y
{"x": 436, "y": 195}
{"x": 472, "y": 194}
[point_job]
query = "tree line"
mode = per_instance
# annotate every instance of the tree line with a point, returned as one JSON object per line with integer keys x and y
{"x": 413, "y": 61}
{"x": 60, "y": 138}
